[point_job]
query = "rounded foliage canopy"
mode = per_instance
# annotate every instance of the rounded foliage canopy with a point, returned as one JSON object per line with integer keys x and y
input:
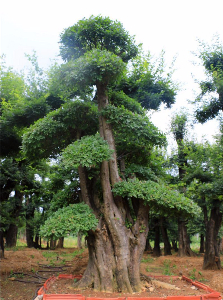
{"x": 97, "y": 33}
{"x": 157, "y": 195}
{"x": 69, "y": 220}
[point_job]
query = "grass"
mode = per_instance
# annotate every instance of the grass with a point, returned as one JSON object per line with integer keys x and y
{"x": 167, "y": 267}
{"x": 52, "y": 256}
{"x": 149, "y": 259}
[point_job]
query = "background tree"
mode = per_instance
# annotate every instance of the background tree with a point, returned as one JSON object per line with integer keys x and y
{"x": 210, "y": 100}
{"x": 178, "y": 128}
{"x": 23, "y": 101}
{"x": 205, "y": 174}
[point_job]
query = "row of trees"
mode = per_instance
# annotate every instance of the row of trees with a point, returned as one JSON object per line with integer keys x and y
{"x": 79, "y": 153}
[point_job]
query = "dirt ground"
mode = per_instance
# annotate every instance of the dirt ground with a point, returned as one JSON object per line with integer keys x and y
{"x": 24, "y": 271}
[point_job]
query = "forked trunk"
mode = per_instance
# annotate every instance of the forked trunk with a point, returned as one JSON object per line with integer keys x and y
{"x": 114, "y": 260}
{"x": 184, "y": 240}
{"x": 212, "y": 259}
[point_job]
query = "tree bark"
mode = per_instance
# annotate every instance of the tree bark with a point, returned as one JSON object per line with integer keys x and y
{"x": 184, "y": 240}
{"x": 167, "y": 246}
{"x": 53, "y": 244}
{"x": 37, "y": 243}
{"x": 156, "y": 249}
{"x": 202, "y": 244}
{"x": 60, "y": 243}
{"x": 79, "y": 239}
{"x": 11, "y": 236}
{"x": 114, "y": 259}
{"x": 212, "y": 259}
{"x": 115, "y": 251}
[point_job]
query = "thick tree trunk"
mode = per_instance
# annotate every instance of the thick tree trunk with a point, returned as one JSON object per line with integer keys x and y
{"x": 29, "y": 237}
{"x": 60, "y": 243}
{"x": 202, "y": 244}
{"x": 114, "y": 260}
{"x": 167, "y": 246}
{"x": 11, "y": 235}
{"x": 184, "y": 241}
{"x": 156, "y": 249}
{"x": 212, "y": 259}
{"x": 53, "y": 244}
{"x": 115, "y": 251}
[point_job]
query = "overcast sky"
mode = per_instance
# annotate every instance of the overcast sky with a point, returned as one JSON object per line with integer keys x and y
{"x": 171, "y": 25}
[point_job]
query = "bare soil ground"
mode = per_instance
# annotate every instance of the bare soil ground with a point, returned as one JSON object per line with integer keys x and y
{"x": 24, "y": 271}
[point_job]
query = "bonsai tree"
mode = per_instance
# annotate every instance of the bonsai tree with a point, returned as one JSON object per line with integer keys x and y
{"x": 103, "y": 139}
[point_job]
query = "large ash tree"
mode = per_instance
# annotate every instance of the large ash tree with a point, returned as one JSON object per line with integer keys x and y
{"x": 110, "y": 142}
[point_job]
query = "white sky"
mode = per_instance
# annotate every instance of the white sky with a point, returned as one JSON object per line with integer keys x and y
{"x": 172, "y": 25}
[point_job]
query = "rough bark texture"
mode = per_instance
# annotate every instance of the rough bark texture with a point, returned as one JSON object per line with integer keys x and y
{"x": 212, "y": 259}
{"x": 115, "y": 251}
{"x": 184, "y": 240}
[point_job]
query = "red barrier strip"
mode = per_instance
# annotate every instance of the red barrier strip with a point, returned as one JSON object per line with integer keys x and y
{"x": 212, "y": 296}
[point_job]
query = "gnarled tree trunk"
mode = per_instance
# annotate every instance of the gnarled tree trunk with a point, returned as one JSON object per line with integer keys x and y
{"x": 115, "y": 251}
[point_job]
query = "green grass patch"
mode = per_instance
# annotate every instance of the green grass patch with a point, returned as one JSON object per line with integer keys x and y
{"x": 149, "y": 259}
